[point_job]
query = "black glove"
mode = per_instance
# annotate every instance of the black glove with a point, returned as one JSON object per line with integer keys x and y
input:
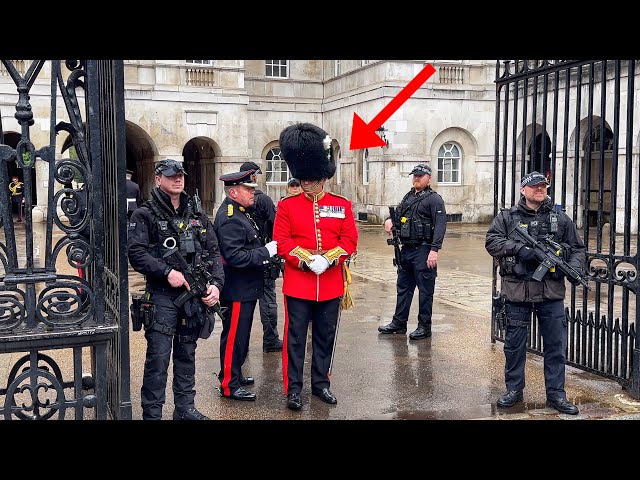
{"x": 527, "y": 254}
{"x": 573, "y": 281}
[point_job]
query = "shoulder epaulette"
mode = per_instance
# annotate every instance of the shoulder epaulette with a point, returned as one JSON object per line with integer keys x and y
{"x": 290, "y": 196}
{"x": 335, "y": 195}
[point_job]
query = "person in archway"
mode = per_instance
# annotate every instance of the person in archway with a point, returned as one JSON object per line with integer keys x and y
{"x": 16, "y": 187}
{"x": 134, "y": 200}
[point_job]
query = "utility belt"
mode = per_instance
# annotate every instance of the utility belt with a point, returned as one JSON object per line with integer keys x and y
{"x": 169, "y": 331}
{"x": 143, "y": 313}
{"x": 413, "y": 243}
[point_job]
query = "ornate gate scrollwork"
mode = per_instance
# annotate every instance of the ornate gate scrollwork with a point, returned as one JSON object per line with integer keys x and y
{"x": 63, "y": 283}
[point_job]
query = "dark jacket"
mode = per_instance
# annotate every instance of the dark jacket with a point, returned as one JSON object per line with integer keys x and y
{"x": 421, "y": 207}
{"x": 243, "y": 255}
{"x": 263, "y": 212}
{"x": 133, "y": 192}
{"x": 501, "y": 242}
{"x": 147, "y": 233}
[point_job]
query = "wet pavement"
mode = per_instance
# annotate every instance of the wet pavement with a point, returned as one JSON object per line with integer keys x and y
{"x": 457, "y": 374}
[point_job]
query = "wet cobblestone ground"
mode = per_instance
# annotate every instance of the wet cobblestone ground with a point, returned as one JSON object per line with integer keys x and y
{"x": 457, "y": 374}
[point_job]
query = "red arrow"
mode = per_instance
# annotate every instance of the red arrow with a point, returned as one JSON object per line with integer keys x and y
{"x": 365, "y": 136}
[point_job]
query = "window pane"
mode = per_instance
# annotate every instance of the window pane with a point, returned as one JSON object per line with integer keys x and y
{"x": 449, "y": 163}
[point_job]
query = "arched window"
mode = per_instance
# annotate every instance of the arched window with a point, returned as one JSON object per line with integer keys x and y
{"x": 276, "y": 170}
{"x": 449, "y": 160}
{"x": 365, "y": 167}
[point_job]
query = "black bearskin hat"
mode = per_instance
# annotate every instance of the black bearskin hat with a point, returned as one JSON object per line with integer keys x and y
{"x": 307, "y": 151}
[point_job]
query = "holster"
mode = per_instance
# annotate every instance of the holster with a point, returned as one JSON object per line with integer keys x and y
{"x": 143, "y": 311}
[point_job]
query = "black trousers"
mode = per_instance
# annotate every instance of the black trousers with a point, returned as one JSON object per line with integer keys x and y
{"x": 234, "y": 342}
{"x": 269, "y": 312}
{"x": 414, "y": 273}
{"x": 156, "y": 365}
{"x": 553, "y": 327}
{"x": 323, "y": 317}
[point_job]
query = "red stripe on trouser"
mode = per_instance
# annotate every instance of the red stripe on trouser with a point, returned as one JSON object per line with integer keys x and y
{"x": 228, "y": 350}
{"x": 285, "y": 342}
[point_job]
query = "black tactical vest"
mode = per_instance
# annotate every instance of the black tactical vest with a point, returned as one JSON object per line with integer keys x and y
{"x": 414, "y": 227}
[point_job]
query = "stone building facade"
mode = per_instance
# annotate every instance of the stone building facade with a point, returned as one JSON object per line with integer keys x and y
{"x": 216, "y": 114}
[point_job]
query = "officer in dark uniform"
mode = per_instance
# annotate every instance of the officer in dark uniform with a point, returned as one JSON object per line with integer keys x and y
{"x": 244, "y": 258}
{"x": 167, "y": 219}
{"x": 420, "y": 223}
{"x": 263, "y": 212}
{"x": 535, "y": 212}
{"x": 133, "y": 194}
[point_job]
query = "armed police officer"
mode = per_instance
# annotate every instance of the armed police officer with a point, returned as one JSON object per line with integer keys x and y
{"x": 523, "y": 294}
{"x": 420, "y": 224}
{"x": 263, "y": 212}
{"x": 170, "y": 220}
{"x": 244, "y": 258}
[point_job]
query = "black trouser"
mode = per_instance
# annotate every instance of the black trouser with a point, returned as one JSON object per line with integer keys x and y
{"x": 156, "y": 365}
{"x": 269, "y": 311}
{"x": 234, "y": 342}
{"x": 324, "y": 319}
{"x": 414, "y": 273}
{"x": 553, "y": 327}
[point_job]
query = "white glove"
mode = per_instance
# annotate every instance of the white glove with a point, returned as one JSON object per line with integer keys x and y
{"x": 318, "y": 264}
{"x": 272, "y": 247}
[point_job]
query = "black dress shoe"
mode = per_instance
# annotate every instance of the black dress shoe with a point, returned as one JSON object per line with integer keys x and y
{"x": 563, "y": 406}
{"x": 189, "y": 414}
{"x": 294, "y": 402}
{"x": 326, "y": 396}
{"x": 393, "y": 328}
{"x": 272, "y": 347}
{"x": 239, "y": 394}
{"x": 420, "y": 332}
{"x": 510, "y": 398}
{"x": 247, "y": 381}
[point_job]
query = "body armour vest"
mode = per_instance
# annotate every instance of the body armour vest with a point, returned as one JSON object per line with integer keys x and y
{"x": 414, "y": 227}
{"x": 539, "y": 227}
{"x": 187, "y": 231}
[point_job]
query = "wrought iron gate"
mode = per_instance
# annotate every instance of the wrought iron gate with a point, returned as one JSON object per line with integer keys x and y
{"x": 64, "y": 288}
{"x": 574, "y": 122}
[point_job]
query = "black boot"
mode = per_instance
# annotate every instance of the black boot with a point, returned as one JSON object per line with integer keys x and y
{"x": 420, "y": 332}
{"x": 393, "y": 328}
{"x": 510, "y": 398}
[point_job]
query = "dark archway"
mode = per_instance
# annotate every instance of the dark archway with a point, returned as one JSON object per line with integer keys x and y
{"x": 540, "y": 155}
{"x": 141, "y": 153}
{"x": 199, "y": 154}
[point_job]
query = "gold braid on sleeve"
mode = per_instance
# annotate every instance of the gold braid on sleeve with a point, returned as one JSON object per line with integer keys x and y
{"x": 303, "y": 255}
{"x": 333, "y": 255}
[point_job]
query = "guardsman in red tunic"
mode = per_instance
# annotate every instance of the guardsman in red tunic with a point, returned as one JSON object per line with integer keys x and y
{"x": 316, "y": 232}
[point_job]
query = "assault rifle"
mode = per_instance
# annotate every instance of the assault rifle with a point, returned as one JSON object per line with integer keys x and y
{"x": 197, "y": 276}
{"x": 548, "y": 254}
{"x": 394, "y": 240}
{"x": 197, "y": 203}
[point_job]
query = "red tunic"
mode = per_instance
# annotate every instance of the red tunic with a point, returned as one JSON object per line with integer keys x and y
{"x": 317, "y": 227}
